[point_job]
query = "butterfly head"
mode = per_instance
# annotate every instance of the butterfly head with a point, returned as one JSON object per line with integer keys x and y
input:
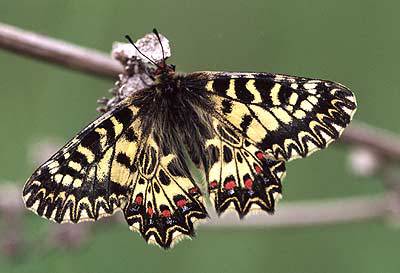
{"x": 163, "y": 71}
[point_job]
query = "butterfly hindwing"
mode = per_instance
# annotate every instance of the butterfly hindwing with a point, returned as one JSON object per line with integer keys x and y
{"x": 241, "y": 176}
{"x": 165, "y": 202}
{"x": 286, "y": 116}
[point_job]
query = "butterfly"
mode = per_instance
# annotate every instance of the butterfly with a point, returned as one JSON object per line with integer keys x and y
{"x": 238, "y": 129}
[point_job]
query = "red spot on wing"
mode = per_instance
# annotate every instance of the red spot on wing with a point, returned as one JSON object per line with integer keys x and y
{"x": 181, "y": 203}
{"x": 230, "y": 185}
{"x": 258, "y": 169}
{"x": 248, "y": 183}
{"x": 260, "y": 155}
{"x": 138, "y": 200}
{"x": 166, "y": 213}
{"x": 193, "y": 190}
{"x": 213, "y": 184}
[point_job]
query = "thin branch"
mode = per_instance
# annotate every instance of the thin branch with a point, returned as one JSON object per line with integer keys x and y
{"x": 380, "y": 141}
{"x": 58, "y": 52}
{"x": 307, "y": 213}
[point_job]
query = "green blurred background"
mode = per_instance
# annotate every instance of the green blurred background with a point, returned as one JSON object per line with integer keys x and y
{"x": 354, "y": 42}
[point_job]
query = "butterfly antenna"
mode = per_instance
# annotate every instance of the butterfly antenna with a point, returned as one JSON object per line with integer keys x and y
{"x": 130, "y": 41}
{"x": 159, "y": 40}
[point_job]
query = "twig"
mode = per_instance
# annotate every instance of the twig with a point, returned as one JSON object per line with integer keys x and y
{"x": 306, "y": 213}
{"x": 380, "y": 141}
{"x": 58, "y": 52}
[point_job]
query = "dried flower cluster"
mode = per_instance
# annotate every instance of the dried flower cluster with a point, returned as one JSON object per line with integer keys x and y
{"x": 137, "y": 68}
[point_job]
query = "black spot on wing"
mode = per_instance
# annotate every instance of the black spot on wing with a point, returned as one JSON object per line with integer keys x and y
{"x": 123, "y": 159}
{"x": 264, "y": 86}
{"x": 227, "y": 154}
{"x": 220, "y": 85}
{"x": 66, "y": 170}
{"x": 156, "y": 187}
{"x": 141, "y": 181}
{"x": 124, "y": 116}
{"x": 226, "y": 106}
{"x": 246, "y": 121}
{"x": 213, "y": 152}
{"x": 92, "y": 141}
{"x": 130, "y": 135}
{"x": 79, "y": 158}
{"x": 284, "y": 94}
{"x": 164, "y": 179}
{"x": 110, "y": 132}
{"x": 213, "y": 155}
{"x": 242, "y": 93}
{"x": 173, "y": 169}
{"x": 239, "y": 157}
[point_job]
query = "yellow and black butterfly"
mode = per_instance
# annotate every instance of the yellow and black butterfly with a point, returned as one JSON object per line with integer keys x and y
{"x": 238, "y": 128}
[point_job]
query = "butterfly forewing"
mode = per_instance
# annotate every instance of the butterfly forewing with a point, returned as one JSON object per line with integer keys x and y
{"x": 285, "y": 116}
{"x": 84, "y": 180}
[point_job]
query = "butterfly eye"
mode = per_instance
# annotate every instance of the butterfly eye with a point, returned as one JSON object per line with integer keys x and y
{"x": 171, "y": 68}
